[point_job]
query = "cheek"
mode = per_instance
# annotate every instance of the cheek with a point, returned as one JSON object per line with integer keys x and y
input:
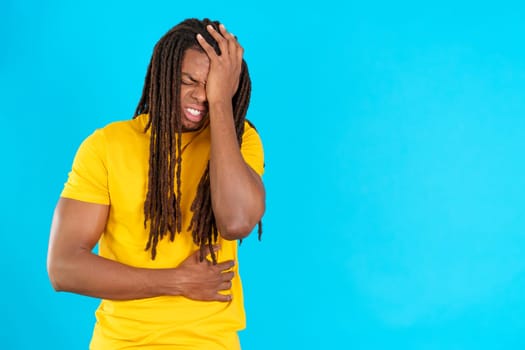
{"x": 185, "y": 92}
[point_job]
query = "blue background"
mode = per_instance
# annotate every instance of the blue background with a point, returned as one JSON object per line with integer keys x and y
{"x": 394, "y": 140}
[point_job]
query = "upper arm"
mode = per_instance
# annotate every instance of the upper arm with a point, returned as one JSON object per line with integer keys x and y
{"x": 253, "y": 155}
{"x": 76, "y": 226}
{"x": 88, "y": 178}
{"x": 82, "y": 210}
{"x": 252, "y": 150}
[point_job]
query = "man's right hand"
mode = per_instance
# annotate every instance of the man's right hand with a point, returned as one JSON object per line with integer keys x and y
{"x": 201, "y": 280}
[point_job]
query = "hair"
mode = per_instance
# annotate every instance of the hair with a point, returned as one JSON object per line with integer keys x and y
{"x": 161, "y": 101}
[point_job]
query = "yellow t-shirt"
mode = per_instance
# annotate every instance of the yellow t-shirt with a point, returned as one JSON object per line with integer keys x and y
{"x": 111, "y": 167}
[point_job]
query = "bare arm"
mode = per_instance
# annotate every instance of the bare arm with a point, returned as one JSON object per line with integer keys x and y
{"x": 237, "y": 191}
{"x": 77, "y": 227}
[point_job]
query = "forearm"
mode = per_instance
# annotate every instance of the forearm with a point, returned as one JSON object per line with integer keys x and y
{"x": 85, "y": 273}
{"x": 236, "y": 190}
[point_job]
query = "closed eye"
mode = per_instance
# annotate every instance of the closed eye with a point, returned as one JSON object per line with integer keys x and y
{"x": 189, "y": 80}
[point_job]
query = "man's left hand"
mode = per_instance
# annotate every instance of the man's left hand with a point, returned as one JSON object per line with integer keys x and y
{"x": 225, "y": 69}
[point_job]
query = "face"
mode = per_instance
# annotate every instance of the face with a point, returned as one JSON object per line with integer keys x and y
{"x": 195, "y": 68}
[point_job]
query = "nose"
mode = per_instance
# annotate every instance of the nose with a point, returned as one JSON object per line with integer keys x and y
{"x": 199, "y": 93}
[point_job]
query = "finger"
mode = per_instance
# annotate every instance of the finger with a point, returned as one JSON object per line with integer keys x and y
{"x": 235, "y": 48}
{"x": 222, "y": 297}
{"x": 196, "y": 255}
{"x": 227, "y": 276}
{"x": 233, "y": 44}
{"x": 216, "y": 248}
{"x": 240, "y": 54}
{"x": 223, "y": 45}
{"x": 214, "y": 252}
{"x": 227, "y": 285}
{"x": 226, "y": 34}
{"x": 225, "y": 265}
{"x": 206, "y": 46}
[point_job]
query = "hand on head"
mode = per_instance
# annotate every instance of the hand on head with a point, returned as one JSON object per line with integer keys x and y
{"x": 225, "y": 69}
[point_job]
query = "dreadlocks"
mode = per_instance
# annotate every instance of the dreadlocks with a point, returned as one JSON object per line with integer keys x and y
{"x": 161, "y": 101}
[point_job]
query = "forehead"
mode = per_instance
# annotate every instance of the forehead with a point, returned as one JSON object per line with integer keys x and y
{"x": 196, "y": 63}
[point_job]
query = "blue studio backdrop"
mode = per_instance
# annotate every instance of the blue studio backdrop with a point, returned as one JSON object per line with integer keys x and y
{"x": 394, "y": 135}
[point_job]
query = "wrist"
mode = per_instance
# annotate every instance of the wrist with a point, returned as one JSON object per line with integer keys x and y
{"x": 163, "y": 282}
{"x": 221, "y": 114}
{"x": 220, "y": 105}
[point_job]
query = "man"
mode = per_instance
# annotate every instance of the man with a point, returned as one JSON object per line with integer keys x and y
{"x": 166, "y": 196}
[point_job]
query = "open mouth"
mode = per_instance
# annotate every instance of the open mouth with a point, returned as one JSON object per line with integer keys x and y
{"x": 193, "y": 114}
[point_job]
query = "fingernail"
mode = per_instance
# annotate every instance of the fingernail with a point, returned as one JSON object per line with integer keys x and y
{"x": 199, "y": 36}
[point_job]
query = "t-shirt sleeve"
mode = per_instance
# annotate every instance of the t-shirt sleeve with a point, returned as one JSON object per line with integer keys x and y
{"x": 88, "y": 179}
{"x": 252, "y": 149}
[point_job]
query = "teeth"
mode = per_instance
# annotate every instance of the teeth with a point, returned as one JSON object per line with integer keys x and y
{"x": 194, "y": 111}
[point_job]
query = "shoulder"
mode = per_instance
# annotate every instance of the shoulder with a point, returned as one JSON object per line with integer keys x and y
{"x": 250, "y": 132}
{"x": 132, "y": 126}
{"x": 115, "y": 137}
{"x": 121, "y": 132}
{"x": 248, "y": 124}
{"x": 252, "y": 148}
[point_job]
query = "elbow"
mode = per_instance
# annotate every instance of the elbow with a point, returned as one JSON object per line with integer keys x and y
{"x": 53, "y": 278}
{"x": 239, "y": 224}
{"x": 55, "y": 274}
{"x": 236, "y": 231}
{"x": 238, "y": 228}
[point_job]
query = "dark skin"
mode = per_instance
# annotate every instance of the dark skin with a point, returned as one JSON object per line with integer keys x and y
{"x": 237, "y": 191}
{"x": 237, "y": 198}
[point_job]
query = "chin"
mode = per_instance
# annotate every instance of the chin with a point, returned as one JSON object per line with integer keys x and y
{"x": 188, "y": 125}
{"x": 191, "y": 126}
